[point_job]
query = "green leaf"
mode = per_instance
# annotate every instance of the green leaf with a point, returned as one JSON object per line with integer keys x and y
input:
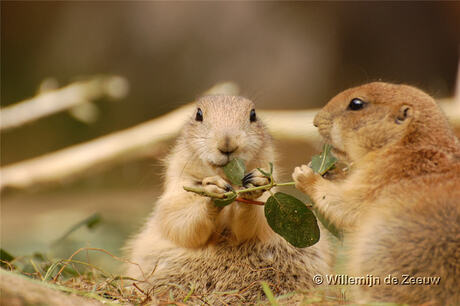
{"x": 291, "y": 219}
{"x": 89, "y": 222}
{"x": 93, "y": 221}
{"x": 328, "y": 225}
{"x": 324, "y": 221}
{"x": 5, "y": 256}
{"x": 235, "y": 170}
{"x": 226, "y": 201}
{"x": 266, "y": 174}
{"x": 268, "y": 292}
{"x": 323, "y": 162}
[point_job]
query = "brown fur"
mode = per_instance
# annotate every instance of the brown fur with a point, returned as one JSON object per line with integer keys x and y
{"x": 400, "y": 203}
{"x": 189, "y": 242}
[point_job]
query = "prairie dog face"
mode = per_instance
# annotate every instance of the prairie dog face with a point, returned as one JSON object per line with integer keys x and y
{"x": 224, "y": 127}
{"x": 369, "y": 117}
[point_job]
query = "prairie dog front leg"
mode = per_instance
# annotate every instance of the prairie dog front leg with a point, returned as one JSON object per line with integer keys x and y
{"x": 330, "y": 198}
{"x": 216, "y": 184}
{"x": 249, "y": 217}
{"x": 189, "y": 219}
{"x": 254, "y": 179}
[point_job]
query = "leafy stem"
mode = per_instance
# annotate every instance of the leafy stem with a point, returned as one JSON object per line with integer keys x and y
{"x": 285, "y": 214}
{"x": 267, "y": 187}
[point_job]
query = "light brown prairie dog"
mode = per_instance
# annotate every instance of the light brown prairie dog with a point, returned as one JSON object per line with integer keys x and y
{"x": 400, "y": 203}
{"x": 191, "y": 242}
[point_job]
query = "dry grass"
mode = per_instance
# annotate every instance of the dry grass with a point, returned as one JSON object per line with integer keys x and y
{"x": 84, "y": 279}
{"x": 80, "y": 277}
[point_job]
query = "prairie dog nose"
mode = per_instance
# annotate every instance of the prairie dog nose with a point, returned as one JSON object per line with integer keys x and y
{"x": 315, "y": 121}
{"x": 227, "y": 145}
{"x": 321, "y": 117}
{"x": 228, "y": 152}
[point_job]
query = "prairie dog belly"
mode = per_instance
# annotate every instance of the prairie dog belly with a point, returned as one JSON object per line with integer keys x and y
{"x": 225, "y": 267}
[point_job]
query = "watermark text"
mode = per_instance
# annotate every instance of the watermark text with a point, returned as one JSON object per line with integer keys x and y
{"x": 371, "y": 280}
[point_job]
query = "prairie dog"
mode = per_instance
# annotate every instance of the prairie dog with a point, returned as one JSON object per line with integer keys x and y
{"x": 400, "y": 203}
{"x": 189, "y": 242}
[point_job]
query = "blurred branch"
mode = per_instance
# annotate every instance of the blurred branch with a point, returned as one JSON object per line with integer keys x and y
{"x": 457, "y": 87}
{"x": 128, "y": 144}
{"x": 16, "y": 289}
{"x": 298, "y": 124}
{"x": 146, "y": 137}
{"x": 68, "y": 97}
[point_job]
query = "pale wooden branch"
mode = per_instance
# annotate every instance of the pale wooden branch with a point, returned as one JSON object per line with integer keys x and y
{"x": 16, "y": 289}
{"x": 291, "y": 124}
{"x": 146, "y": 137}
{"x": 65, "y": 98}
{"x": 457, "y": 87}
{"x": 298, "y": 124}
{"x": 125, "y": 145}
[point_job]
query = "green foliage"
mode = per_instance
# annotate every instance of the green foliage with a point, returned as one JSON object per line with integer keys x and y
{"x": 328, "y": 225}
{"x": 225, "y": 201}
{"x": 287, "y": 216}
{"x": 323, "y": 162}
{"x": 268, "y": 292}
{"x": 290, "y": 218}
{"x": 235, "y": 170}
{"x": 90, "y": 222}
{"x": 267, "y": 174}
{"x": 5, "y": 257}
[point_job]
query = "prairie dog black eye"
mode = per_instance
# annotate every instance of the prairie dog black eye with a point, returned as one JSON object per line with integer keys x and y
{"x": 199, "y": 115}
{"x": 356, "y": 104}
{"x": 252, "y": 115}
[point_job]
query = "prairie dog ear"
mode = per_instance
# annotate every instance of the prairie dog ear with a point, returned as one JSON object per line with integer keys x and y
{"x": 405, "y": 112}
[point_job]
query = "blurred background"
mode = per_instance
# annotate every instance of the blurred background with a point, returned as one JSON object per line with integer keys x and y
{"x": 289, "y": 55}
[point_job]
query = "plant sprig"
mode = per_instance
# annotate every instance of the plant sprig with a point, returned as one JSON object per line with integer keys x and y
{"x": 287, "y": 216}
{"x": 236, "y": 169}
{"x": 235, "y": 172}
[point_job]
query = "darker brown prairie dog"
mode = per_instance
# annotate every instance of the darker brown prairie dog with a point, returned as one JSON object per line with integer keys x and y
{"x": 188, "y": 241}
{"x": 400, "y": 203}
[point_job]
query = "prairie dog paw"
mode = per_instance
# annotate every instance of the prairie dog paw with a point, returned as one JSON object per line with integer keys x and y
{"x": 305, "y": 178}
{"x": 216, "y": 184}
{"x": 254, "y": 179}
